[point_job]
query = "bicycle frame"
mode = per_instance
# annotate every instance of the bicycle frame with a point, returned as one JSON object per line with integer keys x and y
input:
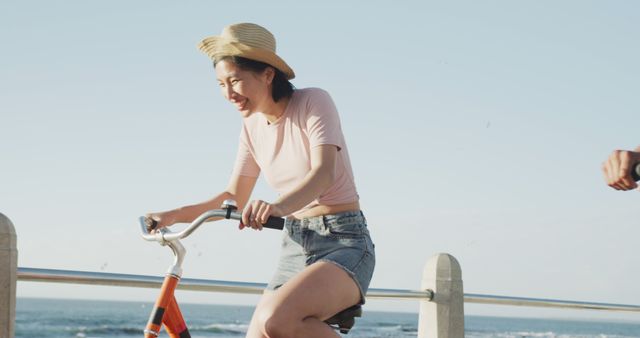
{"x": 166, "y": 311}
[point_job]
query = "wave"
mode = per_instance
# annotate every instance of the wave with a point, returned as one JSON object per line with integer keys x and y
{"x": 527, "y": 334}
{"x": 233, "y": 329}
{"x": 107, "y": 330}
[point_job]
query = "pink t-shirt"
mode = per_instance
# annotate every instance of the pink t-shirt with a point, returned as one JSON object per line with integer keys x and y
{"x": 282, "y": 149}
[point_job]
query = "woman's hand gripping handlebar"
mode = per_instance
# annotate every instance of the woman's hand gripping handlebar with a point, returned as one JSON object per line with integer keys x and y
{"x": 228, "y": 211}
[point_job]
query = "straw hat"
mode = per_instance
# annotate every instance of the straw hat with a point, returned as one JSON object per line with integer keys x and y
{"x": 247, "y": 40}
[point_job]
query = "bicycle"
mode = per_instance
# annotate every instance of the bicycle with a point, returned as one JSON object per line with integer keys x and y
{"x": 166, "y": 311}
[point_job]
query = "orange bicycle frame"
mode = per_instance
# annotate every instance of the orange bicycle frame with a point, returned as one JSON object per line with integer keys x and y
{"x": 167, "y": 312}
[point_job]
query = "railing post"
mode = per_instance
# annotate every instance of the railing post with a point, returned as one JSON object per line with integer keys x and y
{"x": 8, "y": 269}
{"x": 443, "y": 316}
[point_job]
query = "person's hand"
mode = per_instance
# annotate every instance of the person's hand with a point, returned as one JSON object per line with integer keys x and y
{"x": 257, "y": 212}
{"x": 158, "y": 220}
{"x": 617, "y": 169}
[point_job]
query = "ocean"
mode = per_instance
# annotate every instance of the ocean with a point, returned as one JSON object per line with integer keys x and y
{"x": 52, "y": 318}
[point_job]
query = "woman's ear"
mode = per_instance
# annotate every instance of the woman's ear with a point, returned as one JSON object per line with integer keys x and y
{"x": 269, "y": 74}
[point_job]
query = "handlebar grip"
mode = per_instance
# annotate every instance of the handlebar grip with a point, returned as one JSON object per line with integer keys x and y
{"x": 635, "y": 173}
{"x": 274, "y": 223}
{"x": 151, "y": 223}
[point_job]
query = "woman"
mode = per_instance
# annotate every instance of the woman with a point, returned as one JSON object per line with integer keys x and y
{"x": 294, "y": 137}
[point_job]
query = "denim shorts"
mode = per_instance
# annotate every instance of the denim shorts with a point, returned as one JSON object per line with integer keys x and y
{"x": 342, "y": 239}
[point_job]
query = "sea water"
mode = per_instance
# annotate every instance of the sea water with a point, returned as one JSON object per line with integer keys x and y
{"x": 52, "y": 318}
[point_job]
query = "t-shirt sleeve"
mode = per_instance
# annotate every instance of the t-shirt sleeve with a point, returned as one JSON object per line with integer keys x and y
{"x": 323, "y": 121}
{"x": 245, "y": 164}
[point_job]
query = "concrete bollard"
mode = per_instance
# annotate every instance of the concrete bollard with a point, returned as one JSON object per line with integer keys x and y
{"x": 8, "y": 270}
{"x": 443, "y": 317}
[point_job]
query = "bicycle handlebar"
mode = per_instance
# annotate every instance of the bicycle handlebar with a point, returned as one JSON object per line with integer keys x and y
{"x": 227, "y": 211}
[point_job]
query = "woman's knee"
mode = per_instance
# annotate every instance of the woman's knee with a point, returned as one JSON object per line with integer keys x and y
{"x": 276, "y": 324}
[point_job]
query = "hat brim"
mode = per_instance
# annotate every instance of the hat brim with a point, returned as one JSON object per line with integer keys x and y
{"x": 217, "y": 47}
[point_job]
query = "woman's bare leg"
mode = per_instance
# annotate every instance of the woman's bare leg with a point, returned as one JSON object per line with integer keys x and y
{"x": 254, "y": 330}
{"x": 300, "y": 306}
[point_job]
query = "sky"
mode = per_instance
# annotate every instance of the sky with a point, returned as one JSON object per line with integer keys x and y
{"x": 475, "y": 128}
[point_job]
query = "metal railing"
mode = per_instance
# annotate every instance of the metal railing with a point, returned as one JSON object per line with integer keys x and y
{"x": 210, "y": 285}
{"x": 191, "y": 284}
{"x": 549, "y": 303}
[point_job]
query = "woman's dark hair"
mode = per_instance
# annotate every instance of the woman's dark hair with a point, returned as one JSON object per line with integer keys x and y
{"x": 281, "y": 86}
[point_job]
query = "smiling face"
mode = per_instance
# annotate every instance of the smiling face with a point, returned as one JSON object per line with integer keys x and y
{"x": 249, "y": 91}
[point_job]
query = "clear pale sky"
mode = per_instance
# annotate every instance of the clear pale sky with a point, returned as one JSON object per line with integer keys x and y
{"x": 475, "y": 128}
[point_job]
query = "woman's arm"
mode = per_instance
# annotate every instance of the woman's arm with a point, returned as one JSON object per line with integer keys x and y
{"x": 239, "y": 189}
{"x": 319, "y": 178}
